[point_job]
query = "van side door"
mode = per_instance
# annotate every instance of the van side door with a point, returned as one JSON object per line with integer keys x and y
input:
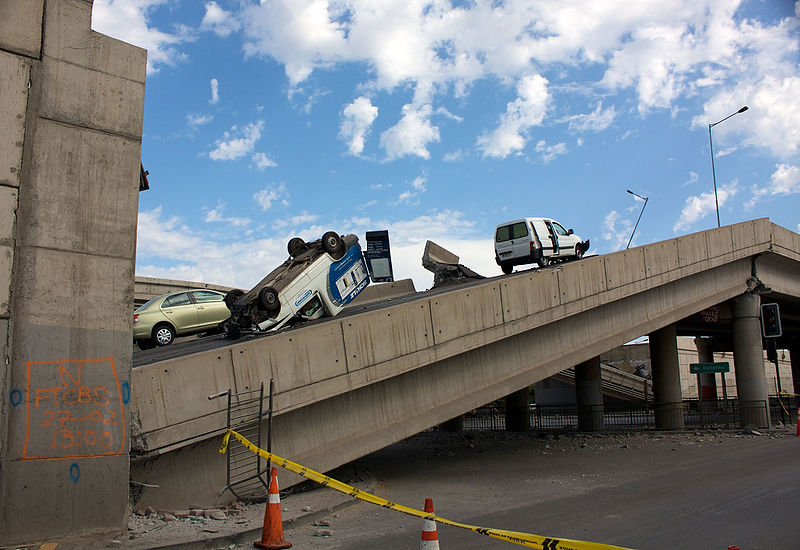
{"x": 548, "y": 237}
{"x": 566, "y": 240}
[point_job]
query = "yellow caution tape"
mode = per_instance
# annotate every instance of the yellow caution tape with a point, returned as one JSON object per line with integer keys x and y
{"x": 523, "y": 539}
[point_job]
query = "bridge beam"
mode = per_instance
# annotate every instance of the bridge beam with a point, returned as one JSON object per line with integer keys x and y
{"x": 666, "y": 378}
{"x": 589, "y": 395}
{"x": 751, "y": 382}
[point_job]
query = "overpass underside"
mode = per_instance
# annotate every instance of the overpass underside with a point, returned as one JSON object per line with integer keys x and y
{"x": 353, "y": 385}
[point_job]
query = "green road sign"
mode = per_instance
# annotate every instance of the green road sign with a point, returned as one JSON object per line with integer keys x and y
{"x": 703, "y": 368}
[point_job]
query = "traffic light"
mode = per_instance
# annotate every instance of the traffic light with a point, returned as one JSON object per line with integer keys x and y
{"x": 771, "y": 320}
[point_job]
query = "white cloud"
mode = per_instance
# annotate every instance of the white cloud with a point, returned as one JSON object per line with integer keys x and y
{"x": 663, "y": 52}
{"x": 616, "y": 230}
{"x": 549, "y": 152}
{"x": 357, "y": 118}
{"x": 596, "y": 121}
{"x": 262, "y": 161}
{"x": 173, "y": 249}
{"x": 698, "y": 207}
{"x": 219, "y": 21}
{"x": 455, "y": 156}
{"x": 198, "y": 120}
{"x": 784, "y": 181}
{"x": 411, "y": 135}
{"x": 524, "y": 112}
{"x": 129, "y": 20}
{"x": 214, "y": 215}
{"x": 232, "y": 148}
{"x": 266, "y": 197}
{"x": 214, "y": 91}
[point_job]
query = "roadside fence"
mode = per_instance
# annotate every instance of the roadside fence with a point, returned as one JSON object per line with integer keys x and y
{"x": 640, "y": 416}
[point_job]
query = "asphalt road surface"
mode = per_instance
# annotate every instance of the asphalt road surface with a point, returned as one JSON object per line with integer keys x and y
{"x": 652, "y": 491}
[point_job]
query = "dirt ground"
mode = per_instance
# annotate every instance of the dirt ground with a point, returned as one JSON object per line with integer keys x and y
{"x": 479, "y": 478}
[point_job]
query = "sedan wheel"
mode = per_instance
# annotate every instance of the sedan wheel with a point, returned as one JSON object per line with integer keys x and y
{"x": 163, "y": 335}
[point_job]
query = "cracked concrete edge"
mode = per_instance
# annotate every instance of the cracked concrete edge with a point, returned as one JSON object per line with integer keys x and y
{"x": 253, "y": 534}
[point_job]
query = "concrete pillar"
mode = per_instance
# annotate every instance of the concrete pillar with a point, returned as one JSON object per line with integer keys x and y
{"x": 794, "y": 357}
{"x": 518, "y": 416}
{"x": 707, "y": 390}
{"x": 589, "y": 395}
{"x": 71, "y": 107}
{"x": 666, "y": 378}
{"x": 748, "y": 355}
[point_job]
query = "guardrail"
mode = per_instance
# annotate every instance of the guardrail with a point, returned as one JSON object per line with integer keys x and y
{"x": 639, "y": 416}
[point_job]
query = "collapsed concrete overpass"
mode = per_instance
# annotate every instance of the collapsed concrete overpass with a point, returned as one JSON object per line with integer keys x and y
{"x": 354, "y": 384}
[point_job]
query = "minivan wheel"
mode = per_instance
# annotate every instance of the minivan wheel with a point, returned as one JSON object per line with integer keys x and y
{"x": 333, "y": 244}
{"x": 163, "y": 335}
{"x": 296, "y": 246}
{"x": 268, "y": 299}
{"x": 578, "y": 251}
{"x": 507, "y": 268}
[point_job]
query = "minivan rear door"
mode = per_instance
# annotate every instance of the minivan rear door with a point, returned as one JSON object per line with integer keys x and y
{"x": 512, "y": 241}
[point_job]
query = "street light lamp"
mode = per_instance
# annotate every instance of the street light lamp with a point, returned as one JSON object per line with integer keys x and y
{"x": 640, "y": 215}
{"x": 711, "y": 143}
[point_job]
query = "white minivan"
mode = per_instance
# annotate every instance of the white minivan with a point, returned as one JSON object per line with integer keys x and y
{"x": 535, "y": 240}
{"x": 319, "y": 278}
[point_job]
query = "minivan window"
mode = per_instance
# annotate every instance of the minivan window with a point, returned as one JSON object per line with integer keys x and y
{"x": 514, "y": 231}
{"x": 560, "y": 230}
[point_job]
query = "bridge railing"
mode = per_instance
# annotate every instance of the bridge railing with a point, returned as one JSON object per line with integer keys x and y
{"x": 638, "y": 416}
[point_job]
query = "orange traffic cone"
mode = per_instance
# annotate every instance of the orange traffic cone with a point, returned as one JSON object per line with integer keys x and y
{"x": 272, "y": 533}
{"x": 430, "y": 538}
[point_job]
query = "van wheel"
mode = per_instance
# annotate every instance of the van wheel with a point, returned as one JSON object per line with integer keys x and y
{"x": 268, "y": 300}
{"x": 296, "y": 246}
{"x": 541, "y": 262}
{"x": 507, "y": 268}
{"x": 333, "y": 244}
{"x": 578, "y": 251}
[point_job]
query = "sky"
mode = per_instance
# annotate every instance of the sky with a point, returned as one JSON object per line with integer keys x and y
{"x": 440, "y": 119}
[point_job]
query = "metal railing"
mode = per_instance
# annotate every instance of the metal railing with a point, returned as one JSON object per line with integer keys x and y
{"x": 642, "y": 416}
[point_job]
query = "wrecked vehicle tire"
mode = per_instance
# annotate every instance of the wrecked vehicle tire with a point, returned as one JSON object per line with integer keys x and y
{"x": 268, "y": 300}
{"x": 296, "y": 246}
{"x": 333, "y": 244}
{"x": 232, "y": 296}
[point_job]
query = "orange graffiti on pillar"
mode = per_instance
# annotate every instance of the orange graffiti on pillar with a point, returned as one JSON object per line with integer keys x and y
{"x": 74, "y": 409}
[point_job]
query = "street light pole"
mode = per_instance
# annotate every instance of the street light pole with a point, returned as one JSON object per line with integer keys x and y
{"x": 711, "y": 143}
{"x": 640, "y": 215}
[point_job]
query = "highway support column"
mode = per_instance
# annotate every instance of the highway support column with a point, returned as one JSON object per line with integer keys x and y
{"x": 794, "y": 357}
{"x": 589, "y": 395}
{"x": 748, "y": 355}
{"x": 71, "y": 110}
{"x": 518, "y": 416}
{"x": 708, "y": 380}
{"x": 666, "y": 378}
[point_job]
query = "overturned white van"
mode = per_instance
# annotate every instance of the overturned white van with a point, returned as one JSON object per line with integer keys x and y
{"x": 535, "y": 240}
{"x": 319, "y": 278}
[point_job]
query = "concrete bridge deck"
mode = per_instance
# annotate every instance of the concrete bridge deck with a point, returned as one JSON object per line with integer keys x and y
{"x": 349, "y": 386}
